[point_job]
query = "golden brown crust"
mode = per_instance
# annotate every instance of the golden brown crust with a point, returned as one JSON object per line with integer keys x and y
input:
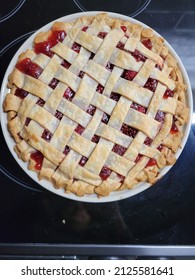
{"x": 42, "y": 36}
{"x": 59, "y": 168}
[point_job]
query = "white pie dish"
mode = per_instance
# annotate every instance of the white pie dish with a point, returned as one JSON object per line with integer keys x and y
{"x": 49, "y": 186}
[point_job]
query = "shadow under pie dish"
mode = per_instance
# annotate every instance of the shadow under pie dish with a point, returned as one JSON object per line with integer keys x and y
{"x": 97, "y": 106}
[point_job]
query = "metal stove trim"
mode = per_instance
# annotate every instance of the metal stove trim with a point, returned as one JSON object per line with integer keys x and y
{"x": 40, "y": 249}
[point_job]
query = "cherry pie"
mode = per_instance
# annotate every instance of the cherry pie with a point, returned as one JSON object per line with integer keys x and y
{"x": 97, "y": 105}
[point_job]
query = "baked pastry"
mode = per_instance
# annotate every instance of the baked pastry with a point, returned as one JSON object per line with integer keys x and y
{"x": 97, "y": 105}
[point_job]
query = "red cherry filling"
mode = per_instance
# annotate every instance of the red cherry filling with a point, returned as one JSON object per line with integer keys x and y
{"x": 139, "y": 156}
{"x": 160, "y": 147}
{"x": 66, "y": 150}
{"x": 109, "y": 66}
{"x": 138, "y": 56}
{"x": 95, "y": 138}
{"x": 129, "y": 75}
{"x": 102, "y": 35}
{"x": 160, "y": 116}
{"x": 168, "y": 93}
{"x": 44, "y": 47}
{"x": 85, "y": 28}
{"x": 91, "y": 110}
{"x": 151, "y": 84}
{"x": 148, "y": 141}
{"x": 126, "y": 129}
{"x": 100, "y": 88}
{"x": 115, "y": 96}
{"x": 76, "y": 47}
{"x": 92, "y": 56}
{"x": 21, "y": 93}
{"x": 118, "y": 149}
{"x": 65, "y": 64}
{"x": 40, "y": 102}
{"x": 81, "y": 74}
{"x": 138, "y": 107}
{"x": 53, "y": 84}
{"x": 121, "y": 177}
{"x": 69, "y": 93}
{"x": 57, "y": 36}
{"x": 28, "y": 67}
{"x": 83, "y": 161}
{"x": 46, "y": 135}
{"x": 120, "y": 46}
{"x": 79, "y": 129}
{"x": 124, "y": 28}
{"x": 147, "y": 43}
{"x": 151, "y": 162}
{"x": 105, "y": 173}
{"x": 105, "y": 118}
{"x": 38, "y": 158}
{"x": 58, "y": 115}
{"x": 174, "y": 128}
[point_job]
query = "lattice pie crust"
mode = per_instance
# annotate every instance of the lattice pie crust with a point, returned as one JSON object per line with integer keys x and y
{"x": 97, "y": 105}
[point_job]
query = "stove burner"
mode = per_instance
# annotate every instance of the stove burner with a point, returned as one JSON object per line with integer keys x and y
{"x": 14, "y": 42}
{"x": 129, "y": 8}
{"x": 17, "y": 180}
{"x": 9, "y": 8}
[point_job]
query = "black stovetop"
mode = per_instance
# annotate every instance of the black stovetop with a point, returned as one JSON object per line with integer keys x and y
{"x": 162, "y": 215}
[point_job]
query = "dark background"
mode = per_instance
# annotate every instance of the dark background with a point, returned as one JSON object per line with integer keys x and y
{"x": 162, "y": 215}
